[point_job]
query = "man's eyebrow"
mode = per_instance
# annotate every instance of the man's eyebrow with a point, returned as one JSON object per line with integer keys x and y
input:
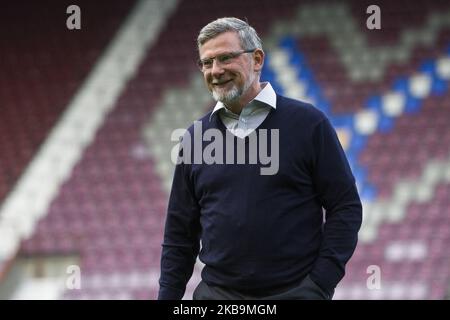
{"x": 219, "y": 54}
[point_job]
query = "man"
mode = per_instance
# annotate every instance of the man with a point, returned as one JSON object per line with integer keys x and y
{"x": 263, "y": 236}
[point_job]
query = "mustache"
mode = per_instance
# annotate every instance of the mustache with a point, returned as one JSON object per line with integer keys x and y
{"x": 220, "y": 80}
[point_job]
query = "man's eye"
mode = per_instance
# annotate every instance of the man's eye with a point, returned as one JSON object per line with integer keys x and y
{"x": 207, "y": 63}
{"x": 225, "y": 58}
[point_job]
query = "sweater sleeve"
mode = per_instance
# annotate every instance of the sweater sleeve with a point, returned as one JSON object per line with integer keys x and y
{"x": 336, "y": 187}
{"x": 181, "y": 242}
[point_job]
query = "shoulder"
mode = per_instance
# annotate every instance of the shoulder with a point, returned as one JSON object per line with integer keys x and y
{"x": 203, "y": 122}
{"x": 298, "y": 111}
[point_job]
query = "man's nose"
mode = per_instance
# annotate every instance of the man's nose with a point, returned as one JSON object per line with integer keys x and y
{"x": 216, "y": 68}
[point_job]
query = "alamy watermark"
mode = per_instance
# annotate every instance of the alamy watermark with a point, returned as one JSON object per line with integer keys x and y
{"x": 74, "y": 20}
{"x": 374, "y": 20}
{"x": 73, "y": 280}
{"x": 373, "y": 282}
{"x": 226, "y": 148}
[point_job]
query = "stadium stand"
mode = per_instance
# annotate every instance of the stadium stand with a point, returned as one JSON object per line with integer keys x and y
{"x": 385, "y": 91}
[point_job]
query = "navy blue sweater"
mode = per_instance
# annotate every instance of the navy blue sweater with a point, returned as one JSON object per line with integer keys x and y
{"x": 263, "y": 232}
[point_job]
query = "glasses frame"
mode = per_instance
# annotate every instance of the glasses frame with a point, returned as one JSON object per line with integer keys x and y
{"x": 228, "y": 56}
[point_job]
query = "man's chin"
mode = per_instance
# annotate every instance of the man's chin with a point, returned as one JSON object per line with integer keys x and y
{"x": 226, "y": 100}
{"x": 225, "y": 97}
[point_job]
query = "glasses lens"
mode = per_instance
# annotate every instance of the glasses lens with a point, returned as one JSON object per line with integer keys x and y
{"x": 223, "y": 59}
{"x": 200, "y": 64}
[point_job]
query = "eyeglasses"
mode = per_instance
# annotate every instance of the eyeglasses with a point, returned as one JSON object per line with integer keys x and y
{"x": 223, "y": 59}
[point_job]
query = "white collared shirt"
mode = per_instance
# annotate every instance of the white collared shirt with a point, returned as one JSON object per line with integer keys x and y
{"x": 252, "y": 115}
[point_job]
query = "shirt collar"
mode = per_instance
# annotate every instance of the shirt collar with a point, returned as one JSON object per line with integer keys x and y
{"x": 267, "y": 96}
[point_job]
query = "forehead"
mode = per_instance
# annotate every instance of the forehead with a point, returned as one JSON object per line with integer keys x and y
{"x": 224, "y": 42}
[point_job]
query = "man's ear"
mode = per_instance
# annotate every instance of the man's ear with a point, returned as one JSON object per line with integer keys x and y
{"x": 258, "y": 58}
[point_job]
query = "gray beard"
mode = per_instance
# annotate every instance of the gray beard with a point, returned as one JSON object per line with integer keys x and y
{"x": 227, "y": 97}
{"x": 234, "y": 94}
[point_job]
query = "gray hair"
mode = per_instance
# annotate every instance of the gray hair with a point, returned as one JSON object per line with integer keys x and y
{"x": 248, "y": 37}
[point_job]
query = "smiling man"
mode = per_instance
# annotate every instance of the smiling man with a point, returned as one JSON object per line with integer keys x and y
{"x": 231, "y": 73}
{"x": 262, "y": 236}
